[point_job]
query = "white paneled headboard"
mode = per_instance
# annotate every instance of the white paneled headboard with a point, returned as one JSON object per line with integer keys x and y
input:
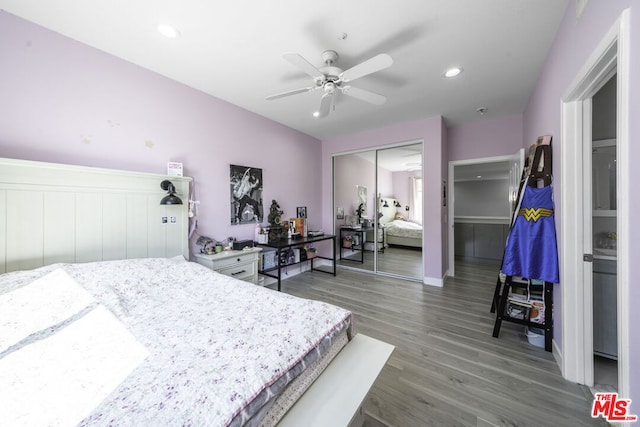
{"x": 53, "y": 213}
{"x": 388, "y": 212}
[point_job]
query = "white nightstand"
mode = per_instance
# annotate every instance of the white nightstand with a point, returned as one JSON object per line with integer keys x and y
{"x": 242, "y": 265}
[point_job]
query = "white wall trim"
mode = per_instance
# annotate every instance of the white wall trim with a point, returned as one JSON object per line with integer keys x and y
{"x": 612, "y": 53}
{"x": 570, "y": 246}
{"x": 557, "y": 354}
{"x": 433, "y": 281}
{"x": 622, "y": 130}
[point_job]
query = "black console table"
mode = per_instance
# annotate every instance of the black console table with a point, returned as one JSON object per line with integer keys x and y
{"x": 283, "y": 246}
{"x": 360, "y": 232}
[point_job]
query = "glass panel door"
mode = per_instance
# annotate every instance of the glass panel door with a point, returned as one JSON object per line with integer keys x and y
{"x": 354, "y": 179}
{"x": 399, "y": 204}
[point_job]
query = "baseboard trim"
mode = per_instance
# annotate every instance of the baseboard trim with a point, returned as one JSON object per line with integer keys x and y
{"x": 557, "y": 355}
{"x": 432, "y": 281}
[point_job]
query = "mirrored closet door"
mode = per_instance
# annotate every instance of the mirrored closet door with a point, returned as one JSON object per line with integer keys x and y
{"x": 354, "y": 186}
{"x": 378, "y": 210}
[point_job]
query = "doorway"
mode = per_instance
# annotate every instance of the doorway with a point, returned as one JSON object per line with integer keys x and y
{"x": 600, "y": 184}
{"x": 611, "y": 57}
{"x": 482, "y": 195}
{"x": 377, "y": 196}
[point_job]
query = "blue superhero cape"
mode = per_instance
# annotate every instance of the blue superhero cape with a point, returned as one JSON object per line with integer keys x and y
{"x": 531, "y": 249}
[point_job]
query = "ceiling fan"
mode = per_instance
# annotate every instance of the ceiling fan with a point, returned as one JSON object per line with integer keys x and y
{"x": 332, "y": 79}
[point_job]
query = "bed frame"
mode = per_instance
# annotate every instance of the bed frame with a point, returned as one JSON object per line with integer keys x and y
{"x": 403, "y": 241}
{"x": 52, "y": 213}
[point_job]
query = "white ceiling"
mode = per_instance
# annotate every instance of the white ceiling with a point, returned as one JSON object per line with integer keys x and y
{"x": 233, "y": 51}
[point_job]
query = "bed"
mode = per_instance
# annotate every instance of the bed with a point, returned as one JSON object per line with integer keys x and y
{"x": 397, "y": 230}
{"x": 85, "y": 250}
{"x": 177, "y": 318}
{"x": 400, "y": 232}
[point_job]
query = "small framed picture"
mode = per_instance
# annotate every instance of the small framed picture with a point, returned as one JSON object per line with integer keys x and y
{"x": 340, "y": 213}
{"x": 174, "y": 169}
{"x": 301, "y": 212}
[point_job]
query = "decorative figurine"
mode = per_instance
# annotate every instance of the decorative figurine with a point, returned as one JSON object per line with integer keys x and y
{"x": 276, "y": 230}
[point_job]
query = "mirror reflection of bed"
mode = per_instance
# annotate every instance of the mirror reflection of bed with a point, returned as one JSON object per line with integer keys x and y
{"x": 399, "y": 243}
{"x": 402, "y": 239}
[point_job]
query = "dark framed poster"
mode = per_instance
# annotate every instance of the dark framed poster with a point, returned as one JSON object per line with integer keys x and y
{"x": 246, "y": 195}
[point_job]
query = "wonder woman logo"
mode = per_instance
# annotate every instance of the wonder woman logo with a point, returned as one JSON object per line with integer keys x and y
{"x": 534, "y": 215}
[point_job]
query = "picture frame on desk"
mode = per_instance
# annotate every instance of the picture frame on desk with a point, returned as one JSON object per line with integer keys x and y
{"x": 350, "y": 220}
{"x": 301, "y": 212}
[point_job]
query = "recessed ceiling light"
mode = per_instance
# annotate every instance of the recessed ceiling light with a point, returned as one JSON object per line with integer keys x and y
{"x": 452, "y": 72}
{"x": 168, "y": 31}
{"x": 316, "y": 114}
{"x": 478, "y": 176}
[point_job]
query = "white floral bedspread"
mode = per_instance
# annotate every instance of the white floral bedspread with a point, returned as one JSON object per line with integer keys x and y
{"x": 218, "y": 348}
{"x": 402, "y": 228}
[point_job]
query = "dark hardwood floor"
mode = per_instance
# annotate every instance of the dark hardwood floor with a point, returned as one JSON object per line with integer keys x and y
{"x": 394, "y": 260}
{"x": 447, "y": 369}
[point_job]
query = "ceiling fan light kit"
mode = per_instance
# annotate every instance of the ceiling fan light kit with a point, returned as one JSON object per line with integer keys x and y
{"x": 168, "y": 31}
{"x": 332, "y": 79}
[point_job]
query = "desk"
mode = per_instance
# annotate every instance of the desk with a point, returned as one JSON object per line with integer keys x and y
{"x": 284, "y": 245}
{"x": 358, "y": 245}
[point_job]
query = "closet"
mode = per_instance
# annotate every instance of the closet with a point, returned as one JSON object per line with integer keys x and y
{"x": 371, "y": 188}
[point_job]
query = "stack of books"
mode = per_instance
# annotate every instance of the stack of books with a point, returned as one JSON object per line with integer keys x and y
{"x": 526, "y": 301}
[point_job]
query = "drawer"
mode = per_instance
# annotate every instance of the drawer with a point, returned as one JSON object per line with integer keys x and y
{"x": 240, "y": 271}
{"x": 216, "y": 263}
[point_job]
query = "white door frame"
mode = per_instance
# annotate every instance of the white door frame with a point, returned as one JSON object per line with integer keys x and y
{"x": 452, "y": 197}
{"x": 576, "y": 360}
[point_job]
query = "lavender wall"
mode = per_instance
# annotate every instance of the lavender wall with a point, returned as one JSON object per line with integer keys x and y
{"x": 350, "y": 171}
{"x": 402, "y": 189}
{"x": 486, "y": 138}
{"x": 65, "y": 102}
{"x": 386, "y": 181}
{"x": 432, "y": 132}
{"x": 575, "y": 41}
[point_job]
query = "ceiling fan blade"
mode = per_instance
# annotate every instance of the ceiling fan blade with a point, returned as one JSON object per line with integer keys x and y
{"x": 364, "y": 95}
{"x": 289, "y": 93}
{"x": 377, "y": 63}
{"x": 304, "y": 65}
{"x": 325, "y": 105}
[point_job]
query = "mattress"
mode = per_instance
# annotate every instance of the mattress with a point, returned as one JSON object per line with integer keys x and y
{"x": 205, "y": 349}
{"x": 401, "y": 228}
